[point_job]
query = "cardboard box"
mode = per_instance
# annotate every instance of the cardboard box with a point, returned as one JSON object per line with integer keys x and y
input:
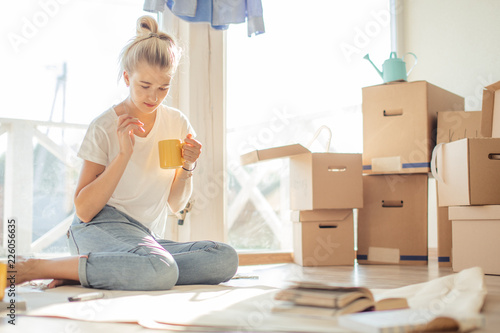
{"x": 456, "y": 125}
{"x": 392, "y": 225}
{"x": 444, "y": 237}
{"x": 318, "y": 180}
{"x": 399, "y": 125}
{"x": 490, "y": 123}
{"x": 452, "y": 126}
{"x": 323, "y": 237}
{"x": 476, "y": 231}
{"x": 468, "y": 172}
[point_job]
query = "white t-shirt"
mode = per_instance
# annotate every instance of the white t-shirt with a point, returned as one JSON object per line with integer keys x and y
{"x": 144, "y": 187}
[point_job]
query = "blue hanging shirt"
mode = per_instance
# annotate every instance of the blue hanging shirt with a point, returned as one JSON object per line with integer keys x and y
{"x": 219, "y": 13}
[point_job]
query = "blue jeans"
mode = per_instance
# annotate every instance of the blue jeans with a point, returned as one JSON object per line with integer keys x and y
{"x": 118, "y": 252}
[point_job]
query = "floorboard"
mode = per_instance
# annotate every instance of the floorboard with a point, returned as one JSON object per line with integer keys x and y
{"x": 279, "y": 275}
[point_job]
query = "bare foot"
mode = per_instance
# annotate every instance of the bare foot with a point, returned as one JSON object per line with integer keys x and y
{"x": 62, "y": 270}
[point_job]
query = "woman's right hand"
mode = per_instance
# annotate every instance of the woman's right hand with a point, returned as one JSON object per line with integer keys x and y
{"x": 126, "y": 126}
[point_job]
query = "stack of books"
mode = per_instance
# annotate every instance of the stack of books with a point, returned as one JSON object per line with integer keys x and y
{"x": 319, "y": 299}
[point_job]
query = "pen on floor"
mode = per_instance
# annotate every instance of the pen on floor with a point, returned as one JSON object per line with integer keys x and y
{"x": 86, "y": 297}
{"x": 238, "y": 276}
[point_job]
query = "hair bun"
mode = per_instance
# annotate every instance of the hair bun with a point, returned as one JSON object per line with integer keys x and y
{"x": 146, "y": 25}
{"x": 150, "y": 44}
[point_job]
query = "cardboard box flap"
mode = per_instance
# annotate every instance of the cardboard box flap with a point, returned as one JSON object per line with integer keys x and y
{"x": 272, "y": 153}
{"x": 486, "y": 212}
{"x": 318, "y": 215}
{"x": 494, "y": 86}
{"x": 490, "y": 125}
{"x": 456, "y": 125}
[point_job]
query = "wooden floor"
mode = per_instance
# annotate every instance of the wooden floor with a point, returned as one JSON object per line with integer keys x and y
{"x": 277, "y": 275}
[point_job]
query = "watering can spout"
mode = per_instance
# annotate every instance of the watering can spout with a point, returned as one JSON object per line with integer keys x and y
{"x": 367, "y": 57}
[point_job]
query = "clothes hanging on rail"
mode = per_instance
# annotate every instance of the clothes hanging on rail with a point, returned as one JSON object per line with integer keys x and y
{"x": 219, "y": 13}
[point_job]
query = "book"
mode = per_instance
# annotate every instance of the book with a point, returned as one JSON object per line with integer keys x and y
{"x": 409, "y": 320}
{"x": 345, "y": 299}
{"x": 357, "y": 305}
{"x": 317, "y": 297}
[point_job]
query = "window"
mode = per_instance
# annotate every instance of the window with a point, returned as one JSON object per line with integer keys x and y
{"x": 59, "y": 62}
{"x": 306, "y": 71}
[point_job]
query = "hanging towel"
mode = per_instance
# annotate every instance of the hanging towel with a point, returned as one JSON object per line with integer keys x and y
{"x": 219, "y": 13}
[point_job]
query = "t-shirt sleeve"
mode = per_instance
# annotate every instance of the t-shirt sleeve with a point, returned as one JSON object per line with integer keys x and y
{"x": 94, "y": 147}
{"x": 187, "y": 128}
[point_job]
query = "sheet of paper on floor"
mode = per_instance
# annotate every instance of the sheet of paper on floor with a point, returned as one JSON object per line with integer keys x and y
{"x": 242, "y": 308}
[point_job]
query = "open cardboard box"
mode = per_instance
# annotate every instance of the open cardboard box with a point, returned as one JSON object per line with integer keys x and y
{"x": 476, "y": 230}
{"x": 399, "y": 123}
{"x": 490, "y": 123}
{"x": 317, "y": 180}
{"x": 323, "y": 237}
{"x": 467, "y": 172}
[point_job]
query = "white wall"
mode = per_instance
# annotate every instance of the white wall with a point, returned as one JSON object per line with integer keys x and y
{"x": 458, "y": 49}
{"x": 456, "y": 42}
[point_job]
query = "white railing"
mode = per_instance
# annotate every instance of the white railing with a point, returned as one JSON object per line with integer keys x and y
{"x": 19, "y": 180}
{"x": 19, "y": 185}
{"x": 249, "y": 192}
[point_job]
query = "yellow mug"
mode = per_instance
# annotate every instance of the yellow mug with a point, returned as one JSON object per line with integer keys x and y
{"x": 171, "y": 153}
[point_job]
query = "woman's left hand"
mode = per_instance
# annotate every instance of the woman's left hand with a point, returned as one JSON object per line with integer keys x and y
{"x": 191, "y": 151}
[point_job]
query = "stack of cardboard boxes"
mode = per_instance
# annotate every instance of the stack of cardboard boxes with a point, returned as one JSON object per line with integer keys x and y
{"x": 468, "y": 177}
{"x": 324, "y": 190}
{"x": 399, "y": 128}
{"x": 452, "y": 126}
{"x": 389, "y": 183}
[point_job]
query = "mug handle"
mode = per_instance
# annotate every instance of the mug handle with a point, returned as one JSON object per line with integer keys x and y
{"x": 413, "y": 63}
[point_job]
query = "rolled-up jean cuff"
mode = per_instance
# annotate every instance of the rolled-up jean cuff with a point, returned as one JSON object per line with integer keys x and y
{"x": 82, "y": 270}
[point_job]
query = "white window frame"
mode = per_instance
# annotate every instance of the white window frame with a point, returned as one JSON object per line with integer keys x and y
{"x": 199, "y": 91}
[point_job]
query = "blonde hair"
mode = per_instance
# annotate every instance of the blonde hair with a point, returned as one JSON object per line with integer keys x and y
{"x": 155, "y": 47}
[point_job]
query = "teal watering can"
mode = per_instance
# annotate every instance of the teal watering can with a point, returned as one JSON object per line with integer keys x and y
{"x": 394, "y": 68}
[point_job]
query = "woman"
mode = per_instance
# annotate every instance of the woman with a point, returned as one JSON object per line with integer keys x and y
{"x": 123, "y": 197}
